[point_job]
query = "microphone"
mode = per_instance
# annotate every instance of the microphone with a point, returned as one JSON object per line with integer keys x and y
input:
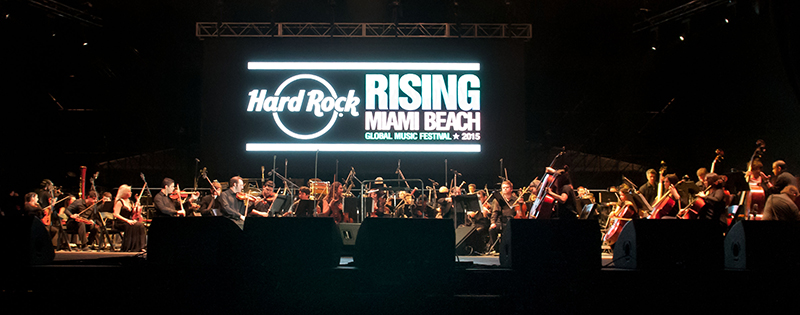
{"x": 197, "y": 160}
{"x": 96, "y": 174}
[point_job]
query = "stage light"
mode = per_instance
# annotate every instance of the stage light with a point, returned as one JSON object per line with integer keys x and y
{"x": 682, "y": 38}
{"x": 653, "y": 47}
{"x": 726, "y": 21}
{"x": 85, "y": 44}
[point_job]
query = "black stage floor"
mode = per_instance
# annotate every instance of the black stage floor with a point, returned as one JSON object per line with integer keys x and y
{"x": 128, "y": 283}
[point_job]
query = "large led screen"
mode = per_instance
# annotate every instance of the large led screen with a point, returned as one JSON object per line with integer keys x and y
{"x": 353, "y": 98}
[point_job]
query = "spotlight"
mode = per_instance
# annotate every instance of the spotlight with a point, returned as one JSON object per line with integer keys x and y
{"x": 653, "y": 47}
{"x": 726, "y": 21}
{"x": 682, "y": 38}
{"x": 85, "y": 44}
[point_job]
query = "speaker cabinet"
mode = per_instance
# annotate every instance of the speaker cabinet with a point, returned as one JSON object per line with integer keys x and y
{"x": 669, "y": 244}
{"x": 292, "y": 243}
{"x": 193, "y": 241}
{"x": 28, "y": 241}
{"x": 469, "y": 240}
{"x": 535, "y": 245}
{"x": 763, "y": 245}
{"x": 405, "y": 245}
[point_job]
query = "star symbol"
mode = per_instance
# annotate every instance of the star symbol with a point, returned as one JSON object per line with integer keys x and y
{"x": 455, "y": 136}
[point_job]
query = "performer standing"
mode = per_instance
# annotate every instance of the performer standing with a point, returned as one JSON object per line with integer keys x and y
{"x": 649, "y": 189}
{"x": 502, "y": 210}
{"x": 165, "y": 207}
{"x": 134, "y": 239}
{"x": 232, "y": 207}
{"x": 567, "y": 206}
{"x": 80, "y": 213}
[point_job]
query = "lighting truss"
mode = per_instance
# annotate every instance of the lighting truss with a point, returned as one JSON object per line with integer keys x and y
{"x": 376, "y": 30}
{"x": 679, "y": 12}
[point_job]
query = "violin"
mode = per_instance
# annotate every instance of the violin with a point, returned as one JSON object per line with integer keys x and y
{"x": 246, "y": 197}
{"x": 183, "y": 194}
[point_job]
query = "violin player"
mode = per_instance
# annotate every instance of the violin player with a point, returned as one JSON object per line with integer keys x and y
{"x": 231, "y": 206}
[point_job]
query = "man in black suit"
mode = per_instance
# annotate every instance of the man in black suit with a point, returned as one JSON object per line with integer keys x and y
{"x": 230, "y": 206}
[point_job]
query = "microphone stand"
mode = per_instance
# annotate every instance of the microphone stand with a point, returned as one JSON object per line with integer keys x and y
{"x": 96, "y": 215}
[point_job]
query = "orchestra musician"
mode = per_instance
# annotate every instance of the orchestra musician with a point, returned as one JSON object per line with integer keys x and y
{"x": 379, "y": 208}
{"x": 231, "y": 206}
{"x": 261, "y": 207}
{"x": 564, "y": 194}
{"x": 447, "y": 209}
{"x": 79, "y": 219}
{"x": 165, "y": 207}
{"x": 714, "y": 208}
{"x": 126, "y": 219}
{"x": 33, "y": 209}
{"x": 210, "y": 202}
{"x": 672, "y": 193}
{"x": 782, "y": 207}
{"x": 502, "y": 207}
{"x": 332, "y": 205}
{"x": 303, "y": 193}
{"x": 650, "y": 189}
{"x": 780, "y": 179}
{"x": 422, "y": 208}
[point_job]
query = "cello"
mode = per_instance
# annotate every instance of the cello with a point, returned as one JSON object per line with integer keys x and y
{"x": 542, "y": 207}
{"x": 692, "y": 210}
{"x": 664, "y": 205}
{"x": 624, "y": 211}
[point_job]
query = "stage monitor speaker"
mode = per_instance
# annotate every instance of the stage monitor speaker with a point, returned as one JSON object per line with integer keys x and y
{"x": 469, "y": 240}
{"x": 193, "y": 241}
{"x": 28, "y": 241}
{"x": 292, "y": 244}
{"x": 763, "y": 245}
{"x": 544, "y": 245}
{"x": 670, "y": 244}
{"x": 349, "y": 233}
{"x": 406, "y": 246}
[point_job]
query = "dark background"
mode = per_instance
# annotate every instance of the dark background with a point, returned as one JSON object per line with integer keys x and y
{"x": 128, "y": 101}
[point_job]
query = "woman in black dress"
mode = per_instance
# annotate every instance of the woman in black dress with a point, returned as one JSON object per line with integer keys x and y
{"x": 135, "y": 232}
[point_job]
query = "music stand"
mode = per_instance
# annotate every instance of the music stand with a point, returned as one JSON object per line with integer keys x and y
{"x": 305, "y": 209}
{"x": 464, "y": 203}
{"x": 279, "y": 205}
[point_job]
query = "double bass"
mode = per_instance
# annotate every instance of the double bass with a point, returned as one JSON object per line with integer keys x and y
{"x": 542, "y": 207}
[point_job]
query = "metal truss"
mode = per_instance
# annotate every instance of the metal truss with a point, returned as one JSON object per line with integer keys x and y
{"x": 375, "y": 30}
{"x": 679, "y": 12}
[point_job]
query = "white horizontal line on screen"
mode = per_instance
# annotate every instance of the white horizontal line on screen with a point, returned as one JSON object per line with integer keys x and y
{"x": 408, "y": 66}
{"x": 362, "y": 147}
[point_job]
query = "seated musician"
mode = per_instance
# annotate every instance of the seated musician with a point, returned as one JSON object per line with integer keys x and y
{"x": 303, "y": 193}
{"x": 79, "y": 215}
{"x": 165, "y": 206}
{"x": 502, "y": 210}
{"x": 447, "y": 209}
{"x": 379, "y": 208}
{"x": 564, "y": 194}
{"x": 332, "y": 205}
{"x": 127, "y": 218}
{"x": 231, "y": 206}
{"x": 421, "y": 208}
{"x": 209, "y": 202}
{"x": 782, "y": 207}
{"x": 714, "y": 198}
{"x": 261, "y": 206}
{"x": 33, "y": 209}
{"x": 780, "y": 179}
{"x": 667, "y": 212}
